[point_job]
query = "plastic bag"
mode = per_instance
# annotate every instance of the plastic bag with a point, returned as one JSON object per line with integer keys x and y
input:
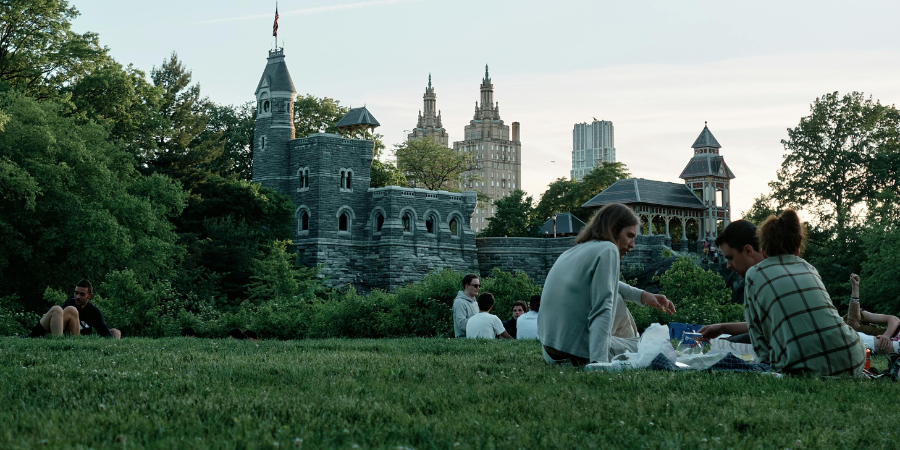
{"x": 654, "y": 341}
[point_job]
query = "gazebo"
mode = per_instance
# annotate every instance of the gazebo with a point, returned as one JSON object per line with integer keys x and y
{"x": 561, "y": 223}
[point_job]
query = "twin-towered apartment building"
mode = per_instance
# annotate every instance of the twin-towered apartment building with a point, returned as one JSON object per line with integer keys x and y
{"x": 496, "y": 148}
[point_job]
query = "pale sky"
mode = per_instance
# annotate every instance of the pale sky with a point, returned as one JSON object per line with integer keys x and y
{"x": 656, "y": 69}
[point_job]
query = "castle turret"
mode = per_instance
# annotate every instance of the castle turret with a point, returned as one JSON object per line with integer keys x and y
{"x": 709, "y": 178}
{"x": 274, "y": 124}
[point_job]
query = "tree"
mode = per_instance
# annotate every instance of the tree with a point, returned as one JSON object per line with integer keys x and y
{"x": 39, "y": 53}
{"x": 385, "y": 174}
{"x": 428, "y": 164}
{"x": 72, "y": 205}
{"x": 559, "y": 197}
{"x": 316, "y": 115}
{"x": 513, "y": 217}
{"x": 565, "y": 195}
{"x": 827, "y": 168}
{"x": 760, "y": 210}
{"x": 235, "y": 125}
{"x": 179, "y": 151}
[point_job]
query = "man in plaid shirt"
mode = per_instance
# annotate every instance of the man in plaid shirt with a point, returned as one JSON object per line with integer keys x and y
{"x": 793, "y": 325}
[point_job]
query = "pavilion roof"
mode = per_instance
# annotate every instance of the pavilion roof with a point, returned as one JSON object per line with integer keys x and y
{"x": 649, "y": 192}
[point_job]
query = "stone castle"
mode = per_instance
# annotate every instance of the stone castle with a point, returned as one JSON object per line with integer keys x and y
{"x": 392, "y": 236}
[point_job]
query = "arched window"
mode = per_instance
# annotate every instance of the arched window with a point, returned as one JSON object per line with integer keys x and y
{"x": 429, "y": 224}
{"x": 304, "y": 221}
{"x": 349, "y": 183}
{"x": 407, "y": 223}
{"x": 343, "y": 179}
{"x": 344, "y": 222}
{"x": 454, "y": 227}
{"x": 266, "y": 106}
{"x": 379, "y": 222}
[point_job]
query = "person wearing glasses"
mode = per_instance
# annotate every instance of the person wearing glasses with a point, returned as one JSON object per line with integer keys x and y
{"x": 464, "y": 305}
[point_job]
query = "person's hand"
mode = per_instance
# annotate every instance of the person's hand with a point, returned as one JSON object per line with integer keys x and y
{"x": 658, "y": 301}
{"x": 710, "y": 332}
{"x": 854, "y": 282}
{"x": 884, "y": 344}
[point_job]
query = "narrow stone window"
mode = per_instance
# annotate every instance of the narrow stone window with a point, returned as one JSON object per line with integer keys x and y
{"x": 407, "y": 223}
{"x": 343, "y": 179}
{"x": 344, "y": 222}
{"x": 262, "y": 143}
{"x": 454, "y": 227}
{"x": 304, "y": 221}
{"x": 349, "y": 183}
{"x": 266, "y": 106}
{"x": 429, "y": 224}
{"x": 379, "y": 222}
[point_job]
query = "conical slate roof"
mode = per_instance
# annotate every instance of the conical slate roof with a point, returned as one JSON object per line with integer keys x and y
{"x": 566, "y": 223}
{"x": 706, "y": 139}
{"x": 276, "y": 76}
{"x": 705, "y": 165}
{"x": 358, "y": 118}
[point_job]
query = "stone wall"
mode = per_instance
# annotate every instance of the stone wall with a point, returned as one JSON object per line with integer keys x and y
{"x": 534, "y": 256}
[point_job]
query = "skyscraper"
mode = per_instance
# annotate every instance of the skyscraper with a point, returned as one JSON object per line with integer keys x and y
{"x": 592, "y": 144}
{"x": 429, "y": 124}
{"x": 497, "y": 154}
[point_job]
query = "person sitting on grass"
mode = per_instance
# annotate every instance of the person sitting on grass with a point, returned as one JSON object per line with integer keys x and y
{"x": 580, "y": 296}
{"x": 485, "y": 325}
{"x": 188, "y": 332}
{"x": 251, "y": 335}
{"x": 464, "y": 305}
{"x": 76, "y": 316}
{"x": 236, "y": 333}
{"x": 793, "y": 325}
{"x": 739, "y": 243}
{"x": 879, "y": 332}
{"x": 518, "y": 308}
{"x": 526, "y": 324}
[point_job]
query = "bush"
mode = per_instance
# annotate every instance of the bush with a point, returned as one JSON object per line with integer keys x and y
{"x": 14, "y": 320}
{"x": 700, "y": 296}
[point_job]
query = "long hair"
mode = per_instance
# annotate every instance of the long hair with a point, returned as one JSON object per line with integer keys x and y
{"x": 782, "y": 235}
{"x": 608, "y": 223}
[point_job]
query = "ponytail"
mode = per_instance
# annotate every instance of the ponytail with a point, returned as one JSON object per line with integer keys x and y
{"x": 782, "y": 235}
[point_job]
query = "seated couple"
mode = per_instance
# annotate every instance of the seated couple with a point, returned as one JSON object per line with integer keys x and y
{"x": 790, "y": 319}
{"x": 76, "y": 316}
{"x": 583, "y": 316}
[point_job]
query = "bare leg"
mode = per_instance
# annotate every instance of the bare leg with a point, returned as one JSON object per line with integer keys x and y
{"x": 72, "y": 321}
{"x": 116, "y": 333}
{"x": 53, "y": 321}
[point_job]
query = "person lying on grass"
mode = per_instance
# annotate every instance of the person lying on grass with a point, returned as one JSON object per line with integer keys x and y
{"x": 793, "y": 325}
{"x": 485, "y": 325}
{"x": 739, "y": 243}
{"x": 879, "y": 332}
{"x": 579, "y": 301}
{"x": 76, "y": 316}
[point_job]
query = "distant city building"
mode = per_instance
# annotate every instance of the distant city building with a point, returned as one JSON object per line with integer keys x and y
{"x": 429, "y": 124}
{"x": 592, "y": 144}
{"x": 496, "y": 152}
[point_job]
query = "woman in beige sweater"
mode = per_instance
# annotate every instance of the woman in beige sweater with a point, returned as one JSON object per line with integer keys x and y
{"x": 579, "y": 299}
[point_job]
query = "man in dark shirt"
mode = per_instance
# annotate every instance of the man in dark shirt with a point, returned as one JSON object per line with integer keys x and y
{"x": 76, "y": 316}
{"x": 518, "y": 309}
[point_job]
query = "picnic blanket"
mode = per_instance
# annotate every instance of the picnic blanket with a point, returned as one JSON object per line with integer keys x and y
{"x": 728, "y": 363}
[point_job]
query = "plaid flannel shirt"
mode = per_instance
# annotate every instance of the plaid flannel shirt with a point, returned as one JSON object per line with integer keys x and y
{"x": 793, "y": 325}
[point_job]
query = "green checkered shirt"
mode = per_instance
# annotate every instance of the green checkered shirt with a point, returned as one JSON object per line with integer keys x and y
{"x": 793, "y": 325}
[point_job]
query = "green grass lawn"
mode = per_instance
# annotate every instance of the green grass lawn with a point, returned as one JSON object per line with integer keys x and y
{"x": 407, "y": 393}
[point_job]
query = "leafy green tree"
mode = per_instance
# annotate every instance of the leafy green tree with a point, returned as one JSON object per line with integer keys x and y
{"x": 513, "y": 217}
{"x": 829, "y": 155}
{"x": 39, "y": 52}
{"x": 565, "y": 195}
{"x": 559, "y": 197}
{"x": 385, "y": 173}
{"x": 316, "y": 115}
{"x": 428, "y": 164}
{"x": 235, "y": 125}
{"x": 72, "y": 205}
{"x": 179, "y": 151}
{"x": 760, "y": 210}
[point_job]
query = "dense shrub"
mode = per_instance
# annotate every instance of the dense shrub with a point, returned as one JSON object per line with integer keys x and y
{"x": 700, "y": 297}
{"x": 14, "y": 319}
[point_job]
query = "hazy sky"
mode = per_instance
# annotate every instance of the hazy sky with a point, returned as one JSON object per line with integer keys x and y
{"x": 656, "y": 69}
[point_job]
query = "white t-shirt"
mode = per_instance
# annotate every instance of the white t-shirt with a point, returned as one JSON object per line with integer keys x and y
{"x": 526, "y": 326}
{"x": 484, "y": 325}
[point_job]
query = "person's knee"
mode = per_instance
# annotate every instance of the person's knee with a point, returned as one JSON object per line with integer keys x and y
{"x": 55, "y": 311}
{"x": 116, "y": 333}
{"x": 71, "y": 311}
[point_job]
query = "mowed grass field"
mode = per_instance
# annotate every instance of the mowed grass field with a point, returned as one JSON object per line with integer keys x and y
{"x": 407, "y": 393}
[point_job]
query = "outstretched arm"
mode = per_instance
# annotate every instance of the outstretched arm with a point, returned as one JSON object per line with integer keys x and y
{"x": 716, "y": 330}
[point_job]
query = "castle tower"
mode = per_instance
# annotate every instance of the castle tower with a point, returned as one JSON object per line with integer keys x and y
{"x": 274, "y": 124}
{"x": 497, "y": 154}
{"x": 709, "y": 178}
{"x": 429, "y": 123}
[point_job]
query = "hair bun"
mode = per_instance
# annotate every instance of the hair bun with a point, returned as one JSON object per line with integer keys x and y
{"x": 790, "y": 219}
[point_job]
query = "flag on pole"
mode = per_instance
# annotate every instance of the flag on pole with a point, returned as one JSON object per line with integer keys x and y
{"x": 275, "y": 25}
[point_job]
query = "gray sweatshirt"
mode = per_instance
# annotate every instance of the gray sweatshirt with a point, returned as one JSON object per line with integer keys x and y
{"x": 464, "y": 307}
{"x": 578, "y": 302}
